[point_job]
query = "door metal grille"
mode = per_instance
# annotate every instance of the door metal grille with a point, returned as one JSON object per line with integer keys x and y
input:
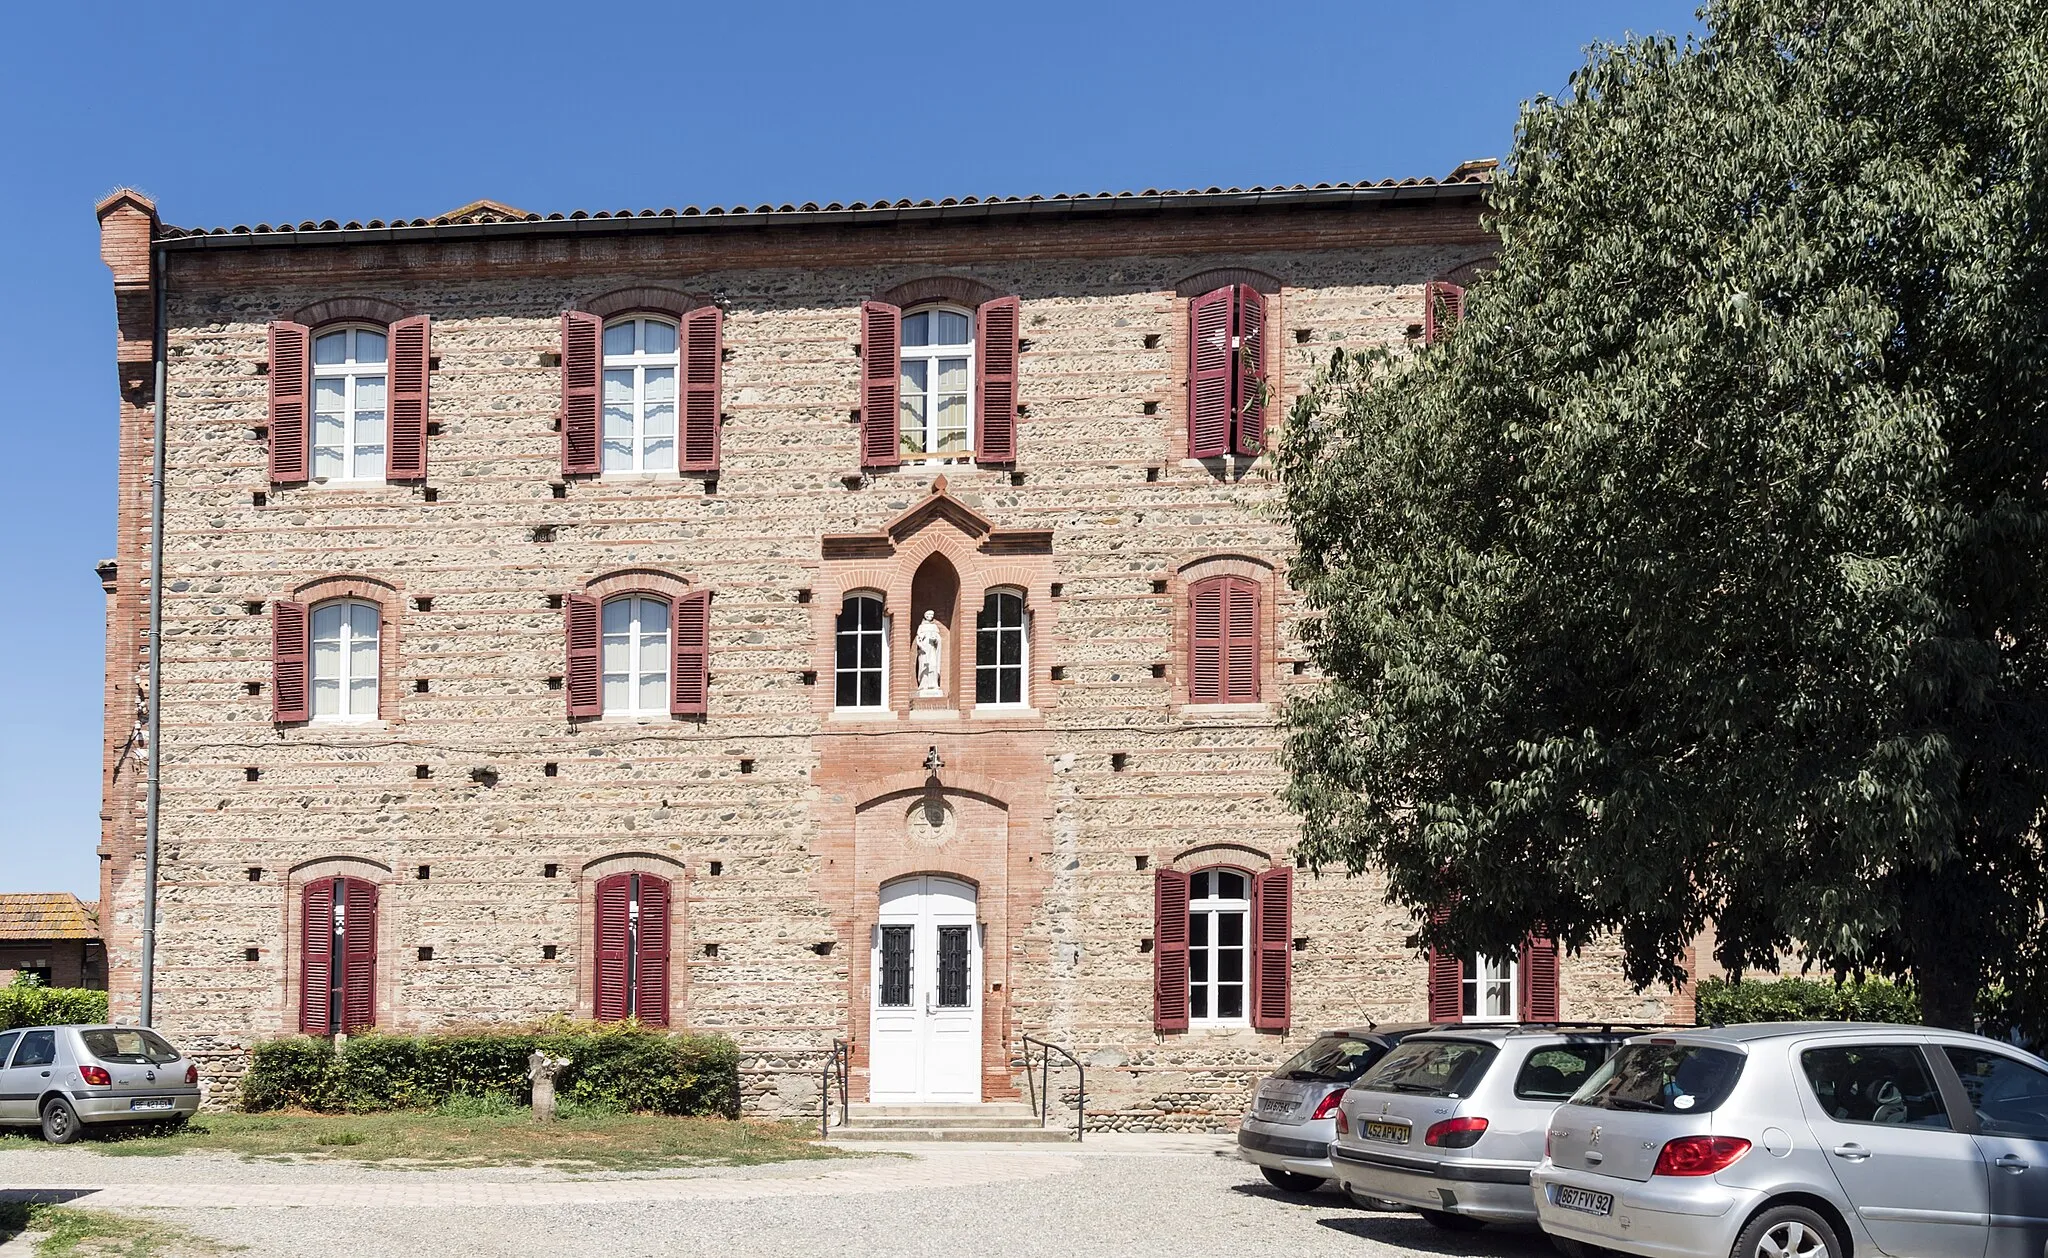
{"x": 953, "y": 967}
{"x": 895, "y": 966}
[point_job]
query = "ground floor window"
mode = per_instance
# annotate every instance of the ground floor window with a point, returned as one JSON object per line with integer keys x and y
{"x": 632, "y": 948}
{"x": 1219, "y": 905}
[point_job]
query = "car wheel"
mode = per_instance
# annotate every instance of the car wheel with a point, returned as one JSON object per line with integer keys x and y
{"x": 1787, "y": 1232}
{"x": 1450, "y": 1222}
{"x": 1288, "y": 1181}
{"x": 1379, "y": 1204}
{"x": 60, "y": 1122}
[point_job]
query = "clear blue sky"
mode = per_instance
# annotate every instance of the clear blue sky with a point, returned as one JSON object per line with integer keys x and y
{"x": 248, "y": 113}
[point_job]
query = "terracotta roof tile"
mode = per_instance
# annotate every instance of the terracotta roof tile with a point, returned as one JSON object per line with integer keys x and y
{"x": 56, "y": 915}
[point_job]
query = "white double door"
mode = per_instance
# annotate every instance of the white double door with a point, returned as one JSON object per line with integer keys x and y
{"x": 924, "y": 1025}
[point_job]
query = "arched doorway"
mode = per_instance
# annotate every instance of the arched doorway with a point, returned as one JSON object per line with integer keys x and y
{"x": 924, "y": 1027}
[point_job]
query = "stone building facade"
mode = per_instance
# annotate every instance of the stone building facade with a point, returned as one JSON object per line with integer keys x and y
{"x": 564, "y": 715}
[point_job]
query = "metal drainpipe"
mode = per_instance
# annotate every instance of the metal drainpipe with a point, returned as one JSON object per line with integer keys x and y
{"x": 156, "y": 656}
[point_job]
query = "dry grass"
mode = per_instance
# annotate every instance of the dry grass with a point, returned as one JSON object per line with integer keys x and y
{"x": 66, "y": 1232}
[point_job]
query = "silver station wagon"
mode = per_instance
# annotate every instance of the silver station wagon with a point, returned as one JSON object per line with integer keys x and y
{"x": 1293, "y": 1116}
{"x": 1451, "y": 1123}
{"x": 1804, "y": 1140}
{"x": 63, "y": 1078}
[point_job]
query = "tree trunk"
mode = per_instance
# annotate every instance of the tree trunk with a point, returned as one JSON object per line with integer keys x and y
{"x": 1946, "y": 933}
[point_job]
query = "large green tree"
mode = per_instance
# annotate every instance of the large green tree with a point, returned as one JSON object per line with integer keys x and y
{"x": 1702, "y": 572}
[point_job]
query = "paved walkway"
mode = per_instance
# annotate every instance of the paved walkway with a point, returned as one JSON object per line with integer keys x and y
{"x": 1121, "y": 1196}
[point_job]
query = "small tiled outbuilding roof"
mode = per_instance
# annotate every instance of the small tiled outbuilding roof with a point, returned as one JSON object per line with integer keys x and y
{"x": 1469, "y": 178}
{"x": 55, "y": 915}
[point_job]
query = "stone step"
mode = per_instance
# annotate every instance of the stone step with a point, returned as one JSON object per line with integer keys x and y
{"x": 990, "y": 1109}
{"x": 997, "y": 1135}
{"x": 991, "y": 1122}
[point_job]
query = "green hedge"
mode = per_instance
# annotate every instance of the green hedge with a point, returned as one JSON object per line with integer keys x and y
{"x": 1806, "y": 1000}
{"x": 617, "y": 1066}
{"x": 23, "y": 1004}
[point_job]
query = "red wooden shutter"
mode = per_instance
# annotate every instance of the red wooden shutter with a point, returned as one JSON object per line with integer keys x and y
{"x": 1272, "y": 942}
{"x": 585, "y": 681}
{"x": 405, "y": 441}
{"x": 1250, "y": 392}
{"x": 291, "y": 649}
{"x": 291, "y": 387}
{"x": 881, "y": 377}
{"x": 316, "y": 955}
{"x": 1446, "y": 988}
{"x": 703, "y": 364}
{"x": 359, "y": 956}
{"x": 609, "y": 993}
{"x": 1240, "y": 597}
{"x": 1443, "y": 305}
{"x": 1170, "y": 950}
{"x": 1539, "y": 980}
{"x": 651, "y": 1005}
{"x": 1205, "y": 641}
{"x": 582, "y": 388}
{"x": 690, "y": 669}
{"x": 1209, "y": 374}
{"x": 995, "y": 411}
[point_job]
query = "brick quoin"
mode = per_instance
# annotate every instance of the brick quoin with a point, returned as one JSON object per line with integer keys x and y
{"x": 775, "y": 819}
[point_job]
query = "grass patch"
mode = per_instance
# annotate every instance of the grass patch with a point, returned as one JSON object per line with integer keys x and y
{"x": 478, "y": 1132}
{"x": 66, "y": 1232}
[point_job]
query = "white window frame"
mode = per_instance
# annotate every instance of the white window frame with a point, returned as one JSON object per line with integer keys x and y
{"x": 1023, "y": 703}
{"x": 344, "y": 680}
{"x": 352, "y": 375}
{"x": 837, "y": 672}
{"x": 636, "y": 647}
{"x": 1215, "y": 908}
{"x": 1476, "y": 979}
{"x": 638, "y": 362}
{"x": 930, "y": 356}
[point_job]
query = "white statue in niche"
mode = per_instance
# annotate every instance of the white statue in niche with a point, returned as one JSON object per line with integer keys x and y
{"x": 930, "y": 645}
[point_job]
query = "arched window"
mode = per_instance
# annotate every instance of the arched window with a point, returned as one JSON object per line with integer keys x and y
{"x": 862, "y": 668}
{"x": 349, "y": 404}
{"x": 1001, "y": 650}
{"x": 636, "y": 656}
{"x": 632, "y": 948}
{"x": 1219, "y": 907}
{"x": 936, "y": 423}
{"x": 640, "y": 365}
{"x": 337, "y": 956}
{"x": 344, "y": 640}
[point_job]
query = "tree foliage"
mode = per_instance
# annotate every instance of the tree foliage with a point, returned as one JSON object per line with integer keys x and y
{"x": 1699, "y": 574}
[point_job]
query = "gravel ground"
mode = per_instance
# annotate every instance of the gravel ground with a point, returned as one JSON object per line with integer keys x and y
{"x": 1131, "y": 1198}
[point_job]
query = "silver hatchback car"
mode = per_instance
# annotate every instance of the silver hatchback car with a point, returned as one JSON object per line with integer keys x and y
{"x": 1451, "y": 1123}
{"x": 1804, "y": 1140}
{"x": 1293, "y": 1116}
{"x": 63, "y": 1078}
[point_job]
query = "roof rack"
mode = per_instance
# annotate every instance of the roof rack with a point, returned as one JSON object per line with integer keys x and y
{"x": 1536, "y": 1028}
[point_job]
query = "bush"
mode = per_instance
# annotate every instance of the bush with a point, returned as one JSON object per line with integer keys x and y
{"x": 1806, "y": 1000}
{"x": 31, "y": 1004}
{"x": 615, "y": 1067}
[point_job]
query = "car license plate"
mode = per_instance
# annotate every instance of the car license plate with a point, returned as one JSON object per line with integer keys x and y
{"x": 1274, "y": 1107}
{"x": 152, "y": 1102}
{"x": 1392, "y": 1133}
{"x": 1585, "y": 1201}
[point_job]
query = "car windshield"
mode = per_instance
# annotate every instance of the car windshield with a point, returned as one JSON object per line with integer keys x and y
{"x": 1662, "y": 1079}
{"x": 130, "y": 1046}
{"x": 1430, "y": 1068}
{"x": 1332, "y": 1059}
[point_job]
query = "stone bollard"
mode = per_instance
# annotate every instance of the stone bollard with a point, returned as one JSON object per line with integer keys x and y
{"x": 541, "y": 1069}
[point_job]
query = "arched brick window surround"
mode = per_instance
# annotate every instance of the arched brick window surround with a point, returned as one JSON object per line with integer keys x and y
{"x": 679, "y": 942}
{"x": 959, "y": 290}
{"x": 1253, "y": 568}
{"x": 352, "y": 310}
{"x": 644, "y": 299}
{"x": 389, "y": 944}
{"x": 1216, "y": 277}
{"x": 653, "y": 581}
{"x": 390, "y": 605}
{"x": 1466, "y": 273}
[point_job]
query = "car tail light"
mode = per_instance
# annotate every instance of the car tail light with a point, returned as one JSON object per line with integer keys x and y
{"x": 1343, "y": 1124}
{"x": 1329, "y": 1104}
{"x": 192, "y": 1074}
{"x": 1700, "y": 1155}
{"x": 1548, "y": 1135}
{"x": 1455, "y": 1133}
{"x": 97, "y": 1076}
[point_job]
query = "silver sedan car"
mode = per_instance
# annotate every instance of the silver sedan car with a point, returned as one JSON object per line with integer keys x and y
{"x": 64, "y": 1078}
{"x": 1804, "y": 1140}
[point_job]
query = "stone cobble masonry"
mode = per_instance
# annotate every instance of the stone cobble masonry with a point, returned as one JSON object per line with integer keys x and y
{"x": 776, "y": 820}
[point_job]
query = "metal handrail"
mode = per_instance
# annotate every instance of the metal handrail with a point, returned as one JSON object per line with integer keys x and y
{"x": 838, "y": 1066}
{"x": 1041, "y": 1096}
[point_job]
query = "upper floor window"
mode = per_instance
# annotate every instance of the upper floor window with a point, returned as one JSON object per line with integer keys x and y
{"x": 345, "y": 661}
{"x": 862, "y": 662}
{"x": 640, "y": 366}
{"x": 636, "y": 656}
{"x": 349, "y": 381}
{"x": 938, "y": 384}
{"x": 1490, "y": 989}
{"x": 1001, "y": 650}
{"x": 1219, "y": 905}
{"x": 1223, "y": 640}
